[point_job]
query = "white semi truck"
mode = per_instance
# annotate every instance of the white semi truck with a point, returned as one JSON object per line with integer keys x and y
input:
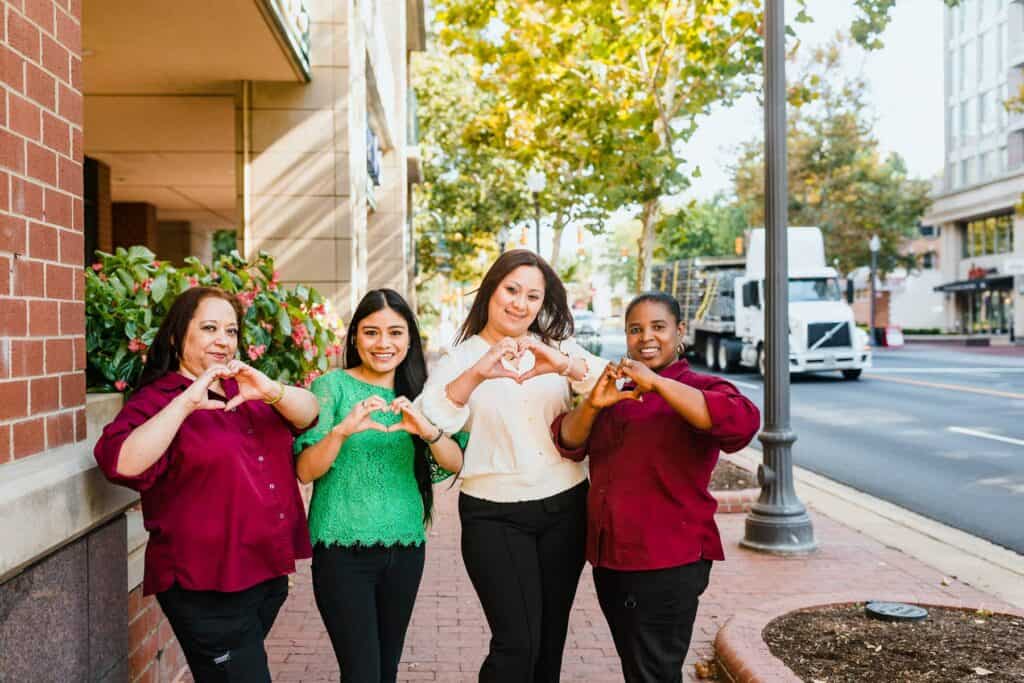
{"x": 723, "y": 302}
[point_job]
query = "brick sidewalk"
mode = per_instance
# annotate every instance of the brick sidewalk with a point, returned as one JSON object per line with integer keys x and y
{"x": 448, "y": 636}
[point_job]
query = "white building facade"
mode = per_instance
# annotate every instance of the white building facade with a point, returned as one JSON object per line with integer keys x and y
{"x": 974, "y": 213}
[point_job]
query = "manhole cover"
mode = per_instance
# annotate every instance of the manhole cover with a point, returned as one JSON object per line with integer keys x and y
{"x": 895, "y": 611}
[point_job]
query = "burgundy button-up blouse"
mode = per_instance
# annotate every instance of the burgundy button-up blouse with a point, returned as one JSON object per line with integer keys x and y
{"x": 649, "y": 505}
{"x": 221, "y": 505}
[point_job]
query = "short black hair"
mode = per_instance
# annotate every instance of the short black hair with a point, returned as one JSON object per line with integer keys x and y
{"x": 662, "y": 298}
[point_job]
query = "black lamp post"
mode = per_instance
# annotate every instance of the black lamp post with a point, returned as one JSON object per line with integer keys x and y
{"x": 778, "y": 522}
{"x": 536, "y": 181}
{"x": 874, "y": 244}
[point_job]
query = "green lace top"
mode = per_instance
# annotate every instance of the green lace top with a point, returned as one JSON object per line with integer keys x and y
{"x": 369, "y": 495}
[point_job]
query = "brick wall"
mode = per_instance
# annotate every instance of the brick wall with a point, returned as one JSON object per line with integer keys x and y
{"x": 42, "y": 314}
{"x": 154, "y": 655}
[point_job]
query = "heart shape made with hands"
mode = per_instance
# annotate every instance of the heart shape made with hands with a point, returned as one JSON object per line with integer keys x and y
{"x": 520, "y": 364}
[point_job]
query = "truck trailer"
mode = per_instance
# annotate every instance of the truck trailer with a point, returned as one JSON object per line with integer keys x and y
{"x": 722, "y": 301}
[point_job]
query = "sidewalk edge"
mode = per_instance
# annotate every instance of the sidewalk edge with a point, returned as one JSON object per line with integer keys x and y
{"x": 975, "y": 561}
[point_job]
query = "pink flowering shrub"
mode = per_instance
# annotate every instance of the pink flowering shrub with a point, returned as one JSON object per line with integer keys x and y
{"x": 289, "y": 333}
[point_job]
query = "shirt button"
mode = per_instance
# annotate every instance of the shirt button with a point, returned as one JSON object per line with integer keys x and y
{"x": 271, "y": 487}
{"x": 282, "y": 515}
{"x": 260, "y": 458}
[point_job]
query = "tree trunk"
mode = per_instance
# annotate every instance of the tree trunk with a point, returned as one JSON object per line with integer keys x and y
{"x": 645, "y": 246}
{"x": 556, "y": 246}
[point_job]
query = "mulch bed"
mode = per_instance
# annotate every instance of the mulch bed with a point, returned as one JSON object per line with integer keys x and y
{"x": 840, "y": 644}
{"x": 729, "y": 477}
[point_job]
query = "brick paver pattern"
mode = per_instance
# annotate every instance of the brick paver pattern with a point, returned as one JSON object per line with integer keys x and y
{"x": 448, "y": 636}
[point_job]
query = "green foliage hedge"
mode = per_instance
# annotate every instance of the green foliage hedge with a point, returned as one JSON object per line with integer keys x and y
{"x": 288, "y": 333}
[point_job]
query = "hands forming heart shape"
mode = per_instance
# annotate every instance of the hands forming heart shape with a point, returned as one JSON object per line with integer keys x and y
{"x": 376, "y": 414}
{"x": 252, "y": 384}
{"x": 608, "y": 390}
{"x": 521, "y": 359}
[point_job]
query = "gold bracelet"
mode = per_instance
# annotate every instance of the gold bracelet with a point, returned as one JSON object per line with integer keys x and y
{"x": 276, "y": 399}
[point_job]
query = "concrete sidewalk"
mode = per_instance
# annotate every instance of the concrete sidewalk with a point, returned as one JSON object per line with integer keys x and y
{"x": 448, "y": 636}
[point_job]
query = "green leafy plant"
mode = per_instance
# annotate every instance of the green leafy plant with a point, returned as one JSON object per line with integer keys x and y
{"x": 289, "y": 333}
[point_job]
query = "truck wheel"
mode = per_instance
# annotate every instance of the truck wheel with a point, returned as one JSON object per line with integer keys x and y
{"x": 711, "y": 353}
{"x": 851, "y": 374}
{"x": 761, "y": 369}
{"x": 726, "y": 359}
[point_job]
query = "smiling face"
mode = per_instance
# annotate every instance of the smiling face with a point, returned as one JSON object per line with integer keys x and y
{"x": 212, "y": 336}
{"x": 653, "y": 334}
{"x": 516, "y": 302}
{"x": 382, "y": 341}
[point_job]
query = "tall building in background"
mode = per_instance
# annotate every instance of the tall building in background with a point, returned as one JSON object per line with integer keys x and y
{"x": 974, "y": 212}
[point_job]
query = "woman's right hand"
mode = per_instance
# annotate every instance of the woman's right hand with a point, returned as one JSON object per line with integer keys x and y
{"x": 606, "y": 393}
{"x": 197, "y": 395}
{"x": 359, "y": 420}
{"x": 490, "y": 365}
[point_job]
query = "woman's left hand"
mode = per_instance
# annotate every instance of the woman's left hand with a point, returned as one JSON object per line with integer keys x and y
{"x": 252, "y": 384}
{"x": 642, "y": 376}
{"x": 547, "y": 359}
{"x": 413, "y": 421}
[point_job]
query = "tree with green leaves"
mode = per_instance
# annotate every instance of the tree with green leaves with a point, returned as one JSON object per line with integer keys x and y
{"x": 838, "y": 178}
{"x": 701, "y": 228}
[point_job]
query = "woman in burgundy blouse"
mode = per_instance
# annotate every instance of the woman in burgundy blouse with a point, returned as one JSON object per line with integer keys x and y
{"x": 207, "y": 440}
{"x": 652, "y": 444}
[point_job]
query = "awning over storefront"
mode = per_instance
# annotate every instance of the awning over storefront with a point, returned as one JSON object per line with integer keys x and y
{"x": 978, "y": 284}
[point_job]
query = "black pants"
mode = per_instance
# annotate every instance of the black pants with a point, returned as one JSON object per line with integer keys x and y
{"x": 222, "y": 634}
{"x": 365, "y": 596}
{"x": 651, "y": 614}
{"x": 525, "y": 560}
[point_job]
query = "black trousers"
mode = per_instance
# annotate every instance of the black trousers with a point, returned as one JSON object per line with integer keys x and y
{"x": 365, "y": 596}
{"x": 525, "y": 560}
{"x": 651, "y": 614}
{"x": 222, "y": 634}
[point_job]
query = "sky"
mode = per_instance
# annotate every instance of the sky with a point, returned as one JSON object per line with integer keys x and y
{"x": 905, "y": 90}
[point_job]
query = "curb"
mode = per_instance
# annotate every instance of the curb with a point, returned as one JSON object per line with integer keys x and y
{"x": 735, "y": 501}
{"x": 743, "y": 655}
{"x": 739, "y": 500}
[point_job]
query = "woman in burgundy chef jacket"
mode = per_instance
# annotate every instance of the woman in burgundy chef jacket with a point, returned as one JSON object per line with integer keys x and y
{"x": 651, "y": 533}
{"x": 207, "y": 440}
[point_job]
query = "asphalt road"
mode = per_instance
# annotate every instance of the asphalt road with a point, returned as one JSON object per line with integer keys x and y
{"x": 937, "y": 430}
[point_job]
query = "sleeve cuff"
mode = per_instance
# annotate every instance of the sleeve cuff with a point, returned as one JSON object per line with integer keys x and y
{"x": 576, "y": 454}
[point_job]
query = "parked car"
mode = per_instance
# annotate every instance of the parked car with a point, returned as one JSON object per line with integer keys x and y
{"x": 588, "y": 330}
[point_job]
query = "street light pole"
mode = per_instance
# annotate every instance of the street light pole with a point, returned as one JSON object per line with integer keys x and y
{"x": 536, "y": 217}
{"x": 874, "y": 244}
{"x": 778, "y": 522}
{"x": 536, "y": 181}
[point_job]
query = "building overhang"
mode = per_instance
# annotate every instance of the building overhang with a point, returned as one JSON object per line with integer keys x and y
{"x": 989, "y": 198}
{"x": 191, "y": 46}
{"x": 977, "y": 285}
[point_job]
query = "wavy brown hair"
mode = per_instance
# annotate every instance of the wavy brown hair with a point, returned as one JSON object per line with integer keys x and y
{"x": 553, "y": 321}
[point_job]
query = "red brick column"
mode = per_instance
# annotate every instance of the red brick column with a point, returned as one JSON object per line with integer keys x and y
{"x": 42, "y": 313}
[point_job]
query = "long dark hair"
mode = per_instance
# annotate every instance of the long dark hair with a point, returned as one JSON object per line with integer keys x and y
{"x": 164, "y": 355}
{"x": 553, "y": 321}
{"x": 410, "y": 375}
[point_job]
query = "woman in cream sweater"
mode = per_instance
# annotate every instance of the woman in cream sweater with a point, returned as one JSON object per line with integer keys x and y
{"x": 522, "y": 506}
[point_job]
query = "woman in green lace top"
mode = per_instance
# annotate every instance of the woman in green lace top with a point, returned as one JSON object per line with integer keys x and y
{"x": 374, "y": 459}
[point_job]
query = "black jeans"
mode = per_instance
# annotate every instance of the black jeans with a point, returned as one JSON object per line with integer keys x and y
{"x": 365, "y": 596}
{"x": 525, "y": 560}
{"x": 222, "y": 634}
{"x": 651, "y": 614}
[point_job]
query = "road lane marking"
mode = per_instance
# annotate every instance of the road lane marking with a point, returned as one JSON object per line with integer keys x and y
{"x": 985, "y": 435}
{"x": 944, "y": 371}
{"x": 952, "y": 387}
